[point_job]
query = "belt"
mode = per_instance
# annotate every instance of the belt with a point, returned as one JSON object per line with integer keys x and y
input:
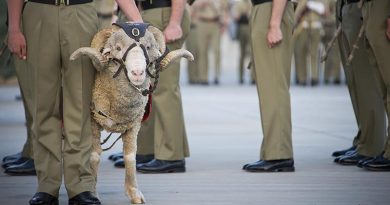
{"x": 105, "y": 15}
{"x": 255, "y": 2}
{"x": 61, "y": 2}
{"x": 203, "y": 19}
{"x": 149, "y": 4}
{"x": 352, "y": 1}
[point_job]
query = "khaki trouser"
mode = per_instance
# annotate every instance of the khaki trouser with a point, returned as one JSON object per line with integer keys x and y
{"x": 164, "y": 133}
{"x": 363, "y": 86}
{"x": 243, "y": 38}
{"x": 192, "y": 46}
{"x": 272, "y": 70}
{"x": 25, "y": 83}
{"x": 52, "y": 34}
{"x": 375, "y": 14}
{"x": 332, "y": 63}
{"x": 209, "y": 37}
{"x": 7, "y": 68}
{"x": 306, "y": 45}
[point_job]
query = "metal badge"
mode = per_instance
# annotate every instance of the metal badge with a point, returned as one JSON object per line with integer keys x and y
{"x": 135, "y": 32}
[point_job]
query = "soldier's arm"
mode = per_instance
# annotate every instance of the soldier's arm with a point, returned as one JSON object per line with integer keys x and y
{"x": 16, "y": 40}
{"x": 130, "y": 10}
{"x": 274, "y": 35}
{"x": 173, "y": 31}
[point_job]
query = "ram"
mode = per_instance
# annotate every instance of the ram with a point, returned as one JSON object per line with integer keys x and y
{"x": 128, "y": 58}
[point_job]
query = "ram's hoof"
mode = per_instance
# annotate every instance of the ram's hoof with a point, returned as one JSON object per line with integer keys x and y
{"x": 137, "y": 197}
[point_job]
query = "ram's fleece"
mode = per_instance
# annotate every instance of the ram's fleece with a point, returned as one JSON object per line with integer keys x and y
{"x": 127, "y": 57}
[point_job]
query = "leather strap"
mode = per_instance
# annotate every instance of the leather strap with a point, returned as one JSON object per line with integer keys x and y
{"x": 149, "y": 4}
{"x": 255, "y": 2}
{"x": 61, "y": 2}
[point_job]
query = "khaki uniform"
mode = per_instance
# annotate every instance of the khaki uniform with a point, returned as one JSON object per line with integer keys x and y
{"x": 332, "y": 63}
{"x": 105, "y": 9}
{"x": 209, "y": 16}
{"x": 272, "y": 69}
{"x": 307, "y": 39}
{"x": 362, "y": 85}
{"x": 192, "y": 46}
{"x": 242, "y": 13}
{"x": 375, "y": 15}
{"x": 52, "y": 34}
{"x": 7, "y": 68}
{"x": 164, "y": 133}
{"x": 11, "y": 64}
{"x": 25, "y": 83}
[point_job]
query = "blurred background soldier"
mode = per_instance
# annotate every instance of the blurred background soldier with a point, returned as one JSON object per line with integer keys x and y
{"x": 241, "y": 13}
{"x": 105, "y": 10}
{"x": 20, "y": 163}
{"x": 193, "y": 47}
{"x": 363, "y": 88}
{"x": 211, "y": 17}
{"x": 307, "y": 39}
{"x": 332, "y": 67}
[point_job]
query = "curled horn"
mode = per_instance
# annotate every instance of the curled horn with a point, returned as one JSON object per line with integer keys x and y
{"x": 173, "y": 55}
{"x": 94, "y": 52}
{"x": 98, "y": 61}
{"x": 159, "y": 36}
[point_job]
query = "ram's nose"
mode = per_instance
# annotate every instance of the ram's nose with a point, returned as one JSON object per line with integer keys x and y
{"x": 137, "y": 72}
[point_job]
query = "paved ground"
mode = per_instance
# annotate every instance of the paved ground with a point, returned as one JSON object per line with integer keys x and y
{"x": 223, "y": 126}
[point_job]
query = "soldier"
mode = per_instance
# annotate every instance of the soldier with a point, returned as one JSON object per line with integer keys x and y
{"x": 241, "y": 13}
{"x": 162, "y": 144}
{"x": 7, "y": 69}
{"x": 52, "y": 31}
{"x": 364, "y": 91}
{"x": 271, "y": 33}
{"x": 105, "y": 10}
{"x": 307, "y": 38}
{"x": 22, "y": 162}
{"x": 192, "y": 46}
{"x": 211, "y": 17}
{"x": 376, "y": 14}
{"x": 332, "y": 63}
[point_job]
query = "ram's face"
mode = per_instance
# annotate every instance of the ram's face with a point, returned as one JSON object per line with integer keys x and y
{"x": 135, "y": 55}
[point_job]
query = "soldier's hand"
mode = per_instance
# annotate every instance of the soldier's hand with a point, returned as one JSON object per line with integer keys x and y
{"x": 274, "y": 36}
{"x": 173, "y": 32}
{"x": 388, "y": 29}
{"x": 17, "y": 44}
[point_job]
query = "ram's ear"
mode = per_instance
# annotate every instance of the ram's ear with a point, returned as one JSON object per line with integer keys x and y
{"x": 159, "y": 36}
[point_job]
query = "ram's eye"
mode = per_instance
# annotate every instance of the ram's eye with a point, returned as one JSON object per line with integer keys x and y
{"x": 118, "y": 48}
{"x": 148, "y": 47}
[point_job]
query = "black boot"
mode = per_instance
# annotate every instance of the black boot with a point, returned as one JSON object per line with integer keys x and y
{"x": 26, "y": 168}
{"x": 42, "y": 198}
{"x": 162, "y": 166}
{"x": 84, "y": 198}
{"x": 282, "y": 165}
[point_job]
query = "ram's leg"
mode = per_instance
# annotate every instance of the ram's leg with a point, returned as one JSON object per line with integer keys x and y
{"x": 129, "y": 151}
{"x": 96, "y": 150}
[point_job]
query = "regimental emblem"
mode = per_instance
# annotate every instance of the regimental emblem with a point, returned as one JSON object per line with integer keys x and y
{"x": 135, "y": 32}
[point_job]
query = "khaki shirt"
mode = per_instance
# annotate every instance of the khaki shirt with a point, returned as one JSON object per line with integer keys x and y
{"x": 209, "y": 9}
{"x": 310, "y": 19}
{"x": 243, "y": 7}
{"x": 105, "y": 6}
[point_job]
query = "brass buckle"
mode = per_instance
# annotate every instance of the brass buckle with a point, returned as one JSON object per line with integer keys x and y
{"x": 62, "y": 2}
